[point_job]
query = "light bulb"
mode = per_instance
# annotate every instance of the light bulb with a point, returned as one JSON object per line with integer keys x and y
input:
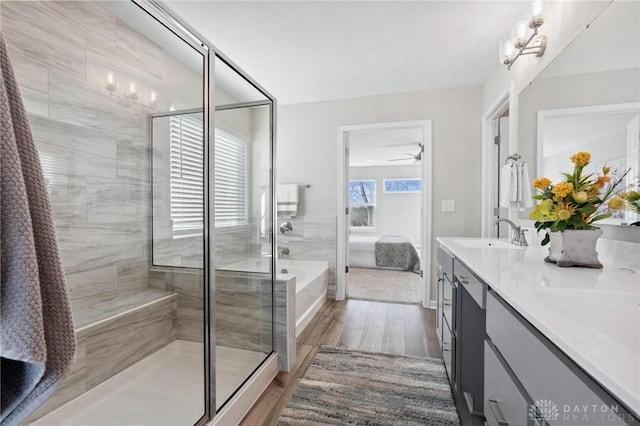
{"x": 111, "y": 84}
{"x": 535, "y": 18}
{"x": 506, "y": 51}
{"x": 153, "y": 97}
{"x": 519, "y": 34}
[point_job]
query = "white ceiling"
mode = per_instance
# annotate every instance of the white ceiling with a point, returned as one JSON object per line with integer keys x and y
{"x": 307, "y": 51}
{"x": 377, "y": 146}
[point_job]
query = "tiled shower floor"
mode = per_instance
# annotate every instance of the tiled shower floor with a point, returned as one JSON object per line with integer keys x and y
{"x": 166, "y": 388}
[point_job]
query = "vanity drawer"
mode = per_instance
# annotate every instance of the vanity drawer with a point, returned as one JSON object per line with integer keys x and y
{"x": 448, "y": 303}
{"x": 445, "y": 261}
{"x": 545, "y": 372}
{"x": 476, "y": 288}
{"x": 504, "y": 401}
{"x": 448, "y": 351}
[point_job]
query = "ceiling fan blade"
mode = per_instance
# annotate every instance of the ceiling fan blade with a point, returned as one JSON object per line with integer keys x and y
{"x": 402, "y": 159}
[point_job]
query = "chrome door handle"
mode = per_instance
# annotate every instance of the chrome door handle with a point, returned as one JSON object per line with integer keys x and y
{"x": 495, "y": 410}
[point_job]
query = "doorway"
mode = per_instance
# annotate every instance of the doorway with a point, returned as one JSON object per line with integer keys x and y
{"x": 383, "y": 233}
{"x": 498, "y": 140}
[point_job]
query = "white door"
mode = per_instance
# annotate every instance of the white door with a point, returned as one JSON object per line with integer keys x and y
{"x": 502, "y": 148}
{"x": 347, "y": 211}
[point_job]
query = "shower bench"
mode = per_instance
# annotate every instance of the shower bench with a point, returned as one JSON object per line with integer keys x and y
{"x": 113, "y": 335}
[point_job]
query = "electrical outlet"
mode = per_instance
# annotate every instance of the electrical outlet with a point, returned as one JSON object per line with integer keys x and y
{"x": 448, "y": 206}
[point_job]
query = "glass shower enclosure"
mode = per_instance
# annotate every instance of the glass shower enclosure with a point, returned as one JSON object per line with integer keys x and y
{"x": 158, "y": 154}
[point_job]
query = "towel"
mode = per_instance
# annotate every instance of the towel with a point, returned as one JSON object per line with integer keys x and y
{"x": 515, "y": 186}
{"x": 524, "y": 188}
{"x": 37, "y": 343}
{"x": 506, "y": 179}
{"x": 287, "y": 199}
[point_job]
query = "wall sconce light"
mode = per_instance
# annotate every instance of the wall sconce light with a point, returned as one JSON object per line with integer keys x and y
{"x": 111, "y": 84}
{"x": 133, "y": 92}
{"x": 521, "y": 43}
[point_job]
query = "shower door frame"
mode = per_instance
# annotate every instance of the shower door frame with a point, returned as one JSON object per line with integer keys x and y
{"x": 184, "y": 31}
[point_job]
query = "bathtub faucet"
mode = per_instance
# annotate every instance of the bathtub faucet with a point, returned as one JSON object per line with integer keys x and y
{"x": 283, "y": 251}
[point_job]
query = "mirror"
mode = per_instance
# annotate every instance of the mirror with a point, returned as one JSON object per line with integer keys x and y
{"x": 588, "y": 99}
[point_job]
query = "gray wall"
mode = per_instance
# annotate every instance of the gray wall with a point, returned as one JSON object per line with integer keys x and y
{"x": 308, "y": 150}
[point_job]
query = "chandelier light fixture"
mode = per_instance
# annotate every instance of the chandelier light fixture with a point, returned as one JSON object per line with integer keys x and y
{"x": 524, "y": 38}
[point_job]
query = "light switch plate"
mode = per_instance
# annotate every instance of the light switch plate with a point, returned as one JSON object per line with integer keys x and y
{"x": 448, "y": 206}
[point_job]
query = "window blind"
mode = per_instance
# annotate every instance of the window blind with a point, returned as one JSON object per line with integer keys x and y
{"x": 230, "y": 181}
{"x": 187, "y": 183}
{"x": 186, "y": 173}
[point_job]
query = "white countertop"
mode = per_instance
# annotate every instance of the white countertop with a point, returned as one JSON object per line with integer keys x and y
{"x": 592, "y": 315}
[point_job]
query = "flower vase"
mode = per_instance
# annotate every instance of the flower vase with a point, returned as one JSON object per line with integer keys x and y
{"x": 574, "y": 247}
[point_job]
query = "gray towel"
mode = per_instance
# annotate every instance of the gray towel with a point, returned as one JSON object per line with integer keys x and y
{"x": 37, "y": 343}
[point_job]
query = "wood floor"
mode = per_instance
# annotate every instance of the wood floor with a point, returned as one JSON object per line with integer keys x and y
{"x": 356, "y": 324}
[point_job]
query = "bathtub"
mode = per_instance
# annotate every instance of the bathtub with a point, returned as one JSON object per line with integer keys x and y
{"x": 312, "y": 277}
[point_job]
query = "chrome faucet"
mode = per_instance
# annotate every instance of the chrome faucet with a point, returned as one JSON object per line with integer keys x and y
{"x": 518, "y": 233}
{"x": 282, "y": 251}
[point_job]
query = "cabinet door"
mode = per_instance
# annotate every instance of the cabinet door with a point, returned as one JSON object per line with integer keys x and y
{"x": 448, "y": 351}
{"x": 439, "y": 312}
{"x": 505, "y": 402}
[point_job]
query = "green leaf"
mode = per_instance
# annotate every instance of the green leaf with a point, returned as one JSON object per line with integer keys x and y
{"x": 600, "y": 217}
{"x": 545, "y": 240}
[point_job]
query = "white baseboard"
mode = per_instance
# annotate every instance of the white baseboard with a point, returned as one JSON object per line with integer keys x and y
{"x": 238, "y": 407}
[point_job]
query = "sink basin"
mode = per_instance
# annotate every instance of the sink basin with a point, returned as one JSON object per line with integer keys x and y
{"x": 486, "y": 243}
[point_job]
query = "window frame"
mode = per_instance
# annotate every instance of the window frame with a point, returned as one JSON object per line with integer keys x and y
{"x": 370, "y": 204}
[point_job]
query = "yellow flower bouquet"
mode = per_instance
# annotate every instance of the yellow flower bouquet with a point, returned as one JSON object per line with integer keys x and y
{"x": 578, "y": 201}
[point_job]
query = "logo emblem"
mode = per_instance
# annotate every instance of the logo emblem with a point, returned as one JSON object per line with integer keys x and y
{"x": 544, "y": 409}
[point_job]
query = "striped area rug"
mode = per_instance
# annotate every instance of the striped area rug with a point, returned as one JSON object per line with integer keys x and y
{"x": 355, "y": 387}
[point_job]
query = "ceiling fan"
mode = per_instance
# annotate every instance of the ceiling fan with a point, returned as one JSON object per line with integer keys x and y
{"x": 416, "y": 157}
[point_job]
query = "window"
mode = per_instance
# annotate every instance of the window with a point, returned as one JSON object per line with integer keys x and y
{"x": 402, "y": 185}
{"x": 230, "y": 181}
{"x": 187, "y": 182}
{"x": 186, "y": 177}
{"x": 362, "y": 203}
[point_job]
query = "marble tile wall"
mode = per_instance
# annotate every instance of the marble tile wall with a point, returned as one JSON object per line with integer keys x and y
{"x": 93, "y": 146}
{"x": 243, "y": 310}
{"x": 284, "y": 323}
{"x": 313, "y": 238}
{"x": 127, "y": 333}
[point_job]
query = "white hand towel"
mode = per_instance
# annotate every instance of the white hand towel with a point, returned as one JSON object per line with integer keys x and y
{"x": 513, "y": 195}
{"x": 525, "y": 187}
{"x": 505, "y": 185}
{"x": 287, "y": 199}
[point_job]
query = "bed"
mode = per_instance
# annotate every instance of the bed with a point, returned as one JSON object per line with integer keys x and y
{"x": 383, "y": 251}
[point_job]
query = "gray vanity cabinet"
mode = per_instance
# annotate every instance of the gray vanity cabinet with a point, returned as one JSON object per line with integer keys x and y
{"x": 446, "y": 313}
{"x": 461, "y": 302}
{"x": 562, "y": 392}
